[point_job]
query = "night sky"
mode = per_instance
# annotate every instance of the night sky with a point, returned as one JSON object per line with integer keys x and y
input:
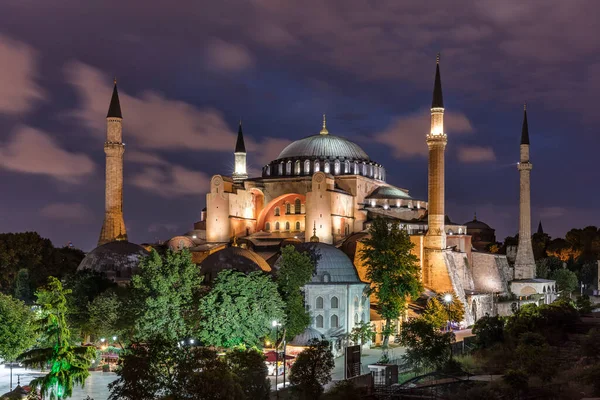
{"x": 189, "y": 70}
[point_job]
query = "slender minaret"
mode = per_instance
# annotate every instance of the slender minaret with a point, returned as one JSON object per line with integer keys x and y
{"x": 436, "y": 142}
{"x": 524, "y": 263}
{"x": 114, "y": 225}
{"x": 239, "y": 172}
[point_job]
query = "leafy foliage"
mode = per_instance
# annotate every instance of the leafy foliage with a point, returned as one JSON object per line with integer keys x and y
{"x": 584, "y": 304}
{"x": 295, "y": 270}
{"x": 392, "y": 269}
{"x": 312, "y": 370}
{"x": 427, "y": 347}
{"x": 250, "y": 368}
{"x": 104, "y": 313}
{"x": 68, "y": 363}
{"x": 488, "y": 331}
{"x": 566, "y": 281}
{"x": 344, "y": 390}
{"x": 17, "y": 331}
{"x": 362, "y": 332}
{"x": 163, "y": 294}
{"x": 438, "y": 311}
{"x": 239, "y": 309}
{"x": 161, "y": 369}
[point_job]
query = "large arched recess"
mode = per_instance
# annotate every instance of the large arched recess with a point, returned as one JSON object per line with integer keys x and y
{"x": 280, "y": 202}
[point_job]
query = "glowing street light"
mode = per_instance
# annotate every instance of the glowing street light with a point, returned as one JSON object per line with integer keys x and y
{"x": 448, "y": 298}
{"x": 114, "y": 338}
{"x": 102, "y": 340}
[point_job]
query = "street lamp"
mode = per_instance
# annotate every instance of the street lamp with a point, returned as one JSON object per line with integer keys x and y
{"x": 448, "y": 301}
{"x": 275, "y": 324}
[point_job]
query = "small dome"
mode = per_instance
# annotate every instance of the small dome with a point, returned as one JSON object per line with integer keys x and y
{"x": 324, "y": 146}
{"x": 118, "y": 260}
{"x": 333, "y": 266}
{"x": 304, "y": 339}
{"x": 475, "y": 224}
{"x": 234, "y": 258}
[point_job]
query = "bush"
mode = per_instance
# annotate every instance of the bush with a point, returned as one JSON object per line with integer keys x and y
{"x": 517, "y": 380}
{"x": 488, "y": 331}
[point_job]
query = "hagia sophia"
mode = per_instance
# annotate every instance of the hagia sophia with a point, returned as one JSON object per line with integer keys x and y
{"x": 325, "y": 189}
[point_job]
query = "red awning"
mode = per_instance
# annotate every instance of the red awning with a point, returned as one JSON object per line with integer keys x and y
{"x": 271, "y": 357}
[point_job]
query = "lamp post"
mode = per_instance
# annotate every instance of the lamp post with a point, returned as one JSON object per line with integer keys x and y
{"x": 275, "y": 324}
{"x": 448, "y": 301}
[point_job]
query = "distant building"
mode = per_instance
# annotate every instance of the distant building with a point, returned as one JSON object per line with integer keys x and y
{"x": 482, "y": 235}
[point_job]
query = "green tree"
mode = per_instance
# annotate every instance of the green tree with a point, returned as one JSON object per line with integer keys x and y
{"x": 362, "y": 332}
{"x": 163, "y": 294}
{"x": 163, "y": 370}
{"x": 17, "y": 331}
{"x": 488, "y": 331}
{"x": 435, "y": 313}
{"x": 104, "y": 313}
{"x": 295, "y": 270}
{"x": 392, "y": 269}
{"x": 239, "y": 309}
{"x": 23, "y": 286}
{"x": 566, "y": 281}
{"x": 439, "y": 310}
{"x": 427, "y": 347}
{"x": 68, "y": 364}
{"x": 584, "y": 304}
{"x": 250, "y": 368}
{"x": 312, "y": 370}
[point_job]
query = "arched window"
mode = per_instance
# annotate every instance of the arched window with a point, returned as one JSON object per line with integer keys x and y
{"x": 346, "y": 167}
{"x": 288, "y": 208}
{"x": 280, "y": 168}
{"x": 297, "y": 168}
{"x": 297, "y": 225}
{"x": 362, "y": 317}
{"x": 180, "y": 245}
{"x": 326, "y": 167}
{"x": 267, "y": 226}
{"x": 356, "y": 319}
{"x": 364, "y": 169}
{"x": 276, "y": 226}
{"x": 288, "y": 168}
{"x": 319, "y": 321}
{"x": 319, "y": 303}
{"x": 317, "y": 166}
{"x": 355, "y": 301}
{"x": 334, "y": 321}
{"x": 287, "y": 226}
{"x": 297, "y": 206}
{"x": 334, "y": 302}
{"x": 277, "y": 211}
{"x": 336, "y": 168}
{"x": 306, "y": 167}
{"x": 268, "y": 169}
{"x": 356, "y": 168}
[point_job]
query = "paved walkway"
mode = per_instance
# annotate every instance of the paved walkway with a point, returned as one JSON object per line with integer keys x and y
{"x": 96, "y": 386}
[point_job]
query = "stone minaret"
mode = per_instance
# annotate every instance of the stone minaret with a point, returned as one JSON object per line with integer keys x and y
{"x": 436, "y": 142}
{"x": 114, "y": 225}
{"x": 239, "y": 172}
{"x": 524, "y": 263}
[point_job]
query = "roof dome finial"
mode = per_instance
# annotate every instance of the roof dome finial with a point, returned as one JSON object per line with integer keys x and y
{"x": 324, "y": 131}
{"x": 475, "y": 216}
{"x": 314, "y": 238}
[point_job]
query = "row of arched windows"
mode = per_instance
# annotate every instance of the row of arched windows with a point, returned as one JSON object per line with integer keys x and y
{"x": 288, "y": 208}
{"x": 287, "y": 226}
{"x": 346, "y": 168}
{"x": 334, "y": 321}
{"x": 334, "y": 302}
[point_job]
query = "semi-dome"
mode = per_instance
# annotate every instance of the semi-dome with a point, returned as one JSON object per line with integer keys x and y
{"x": 324, "y": 146}
{"x": 233, "y": 258}
{"x": 117, "y": 260}
{"x": 333, "y": 266}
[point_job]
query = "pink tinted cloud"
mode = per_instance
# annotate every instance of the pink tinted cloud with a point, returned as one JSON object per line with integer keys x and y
{"x": 32, "y": 151}
{"x": 406, "y": 134}
{"x": 71, "y": 212}
{"x": 229, "y": 57}
{"x": 171, "y": 181}
{"x": 18, "y": 88}
{"x": 476, "y": 154}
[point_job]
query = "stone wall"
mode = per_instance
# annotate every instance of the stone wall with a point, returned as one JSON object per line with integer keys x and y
{"x": 490, "y": 272}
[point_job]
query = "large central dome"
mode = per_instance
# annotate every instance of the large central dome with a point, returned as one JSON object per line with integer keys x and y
{"x": 324, "y": 146}
{"x": 323, "y": 152}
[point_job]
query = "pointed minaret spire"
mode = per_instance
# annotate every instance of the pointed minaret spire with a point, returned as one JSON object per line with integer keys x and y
{"x": 240, "y": 147}
{"x": 540, "y": 229}
{"x": 239, "y": 172}
{"x": 324, "y": 131}
{"x": 114, "y": 110}
{"x": 438, "y": 98}
{"x": 525, "y": 128}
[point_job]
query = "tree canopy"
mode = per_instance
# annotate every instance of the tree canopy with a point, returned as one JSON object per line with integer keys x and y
{"x": 162, "y": 295}
{"x": 17, "y": 331}
{"x": 295, "y": 270}
{"x": 239, "y": 309}
{"x": 312, "y": 370}
{"x": 392, "y": 269}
